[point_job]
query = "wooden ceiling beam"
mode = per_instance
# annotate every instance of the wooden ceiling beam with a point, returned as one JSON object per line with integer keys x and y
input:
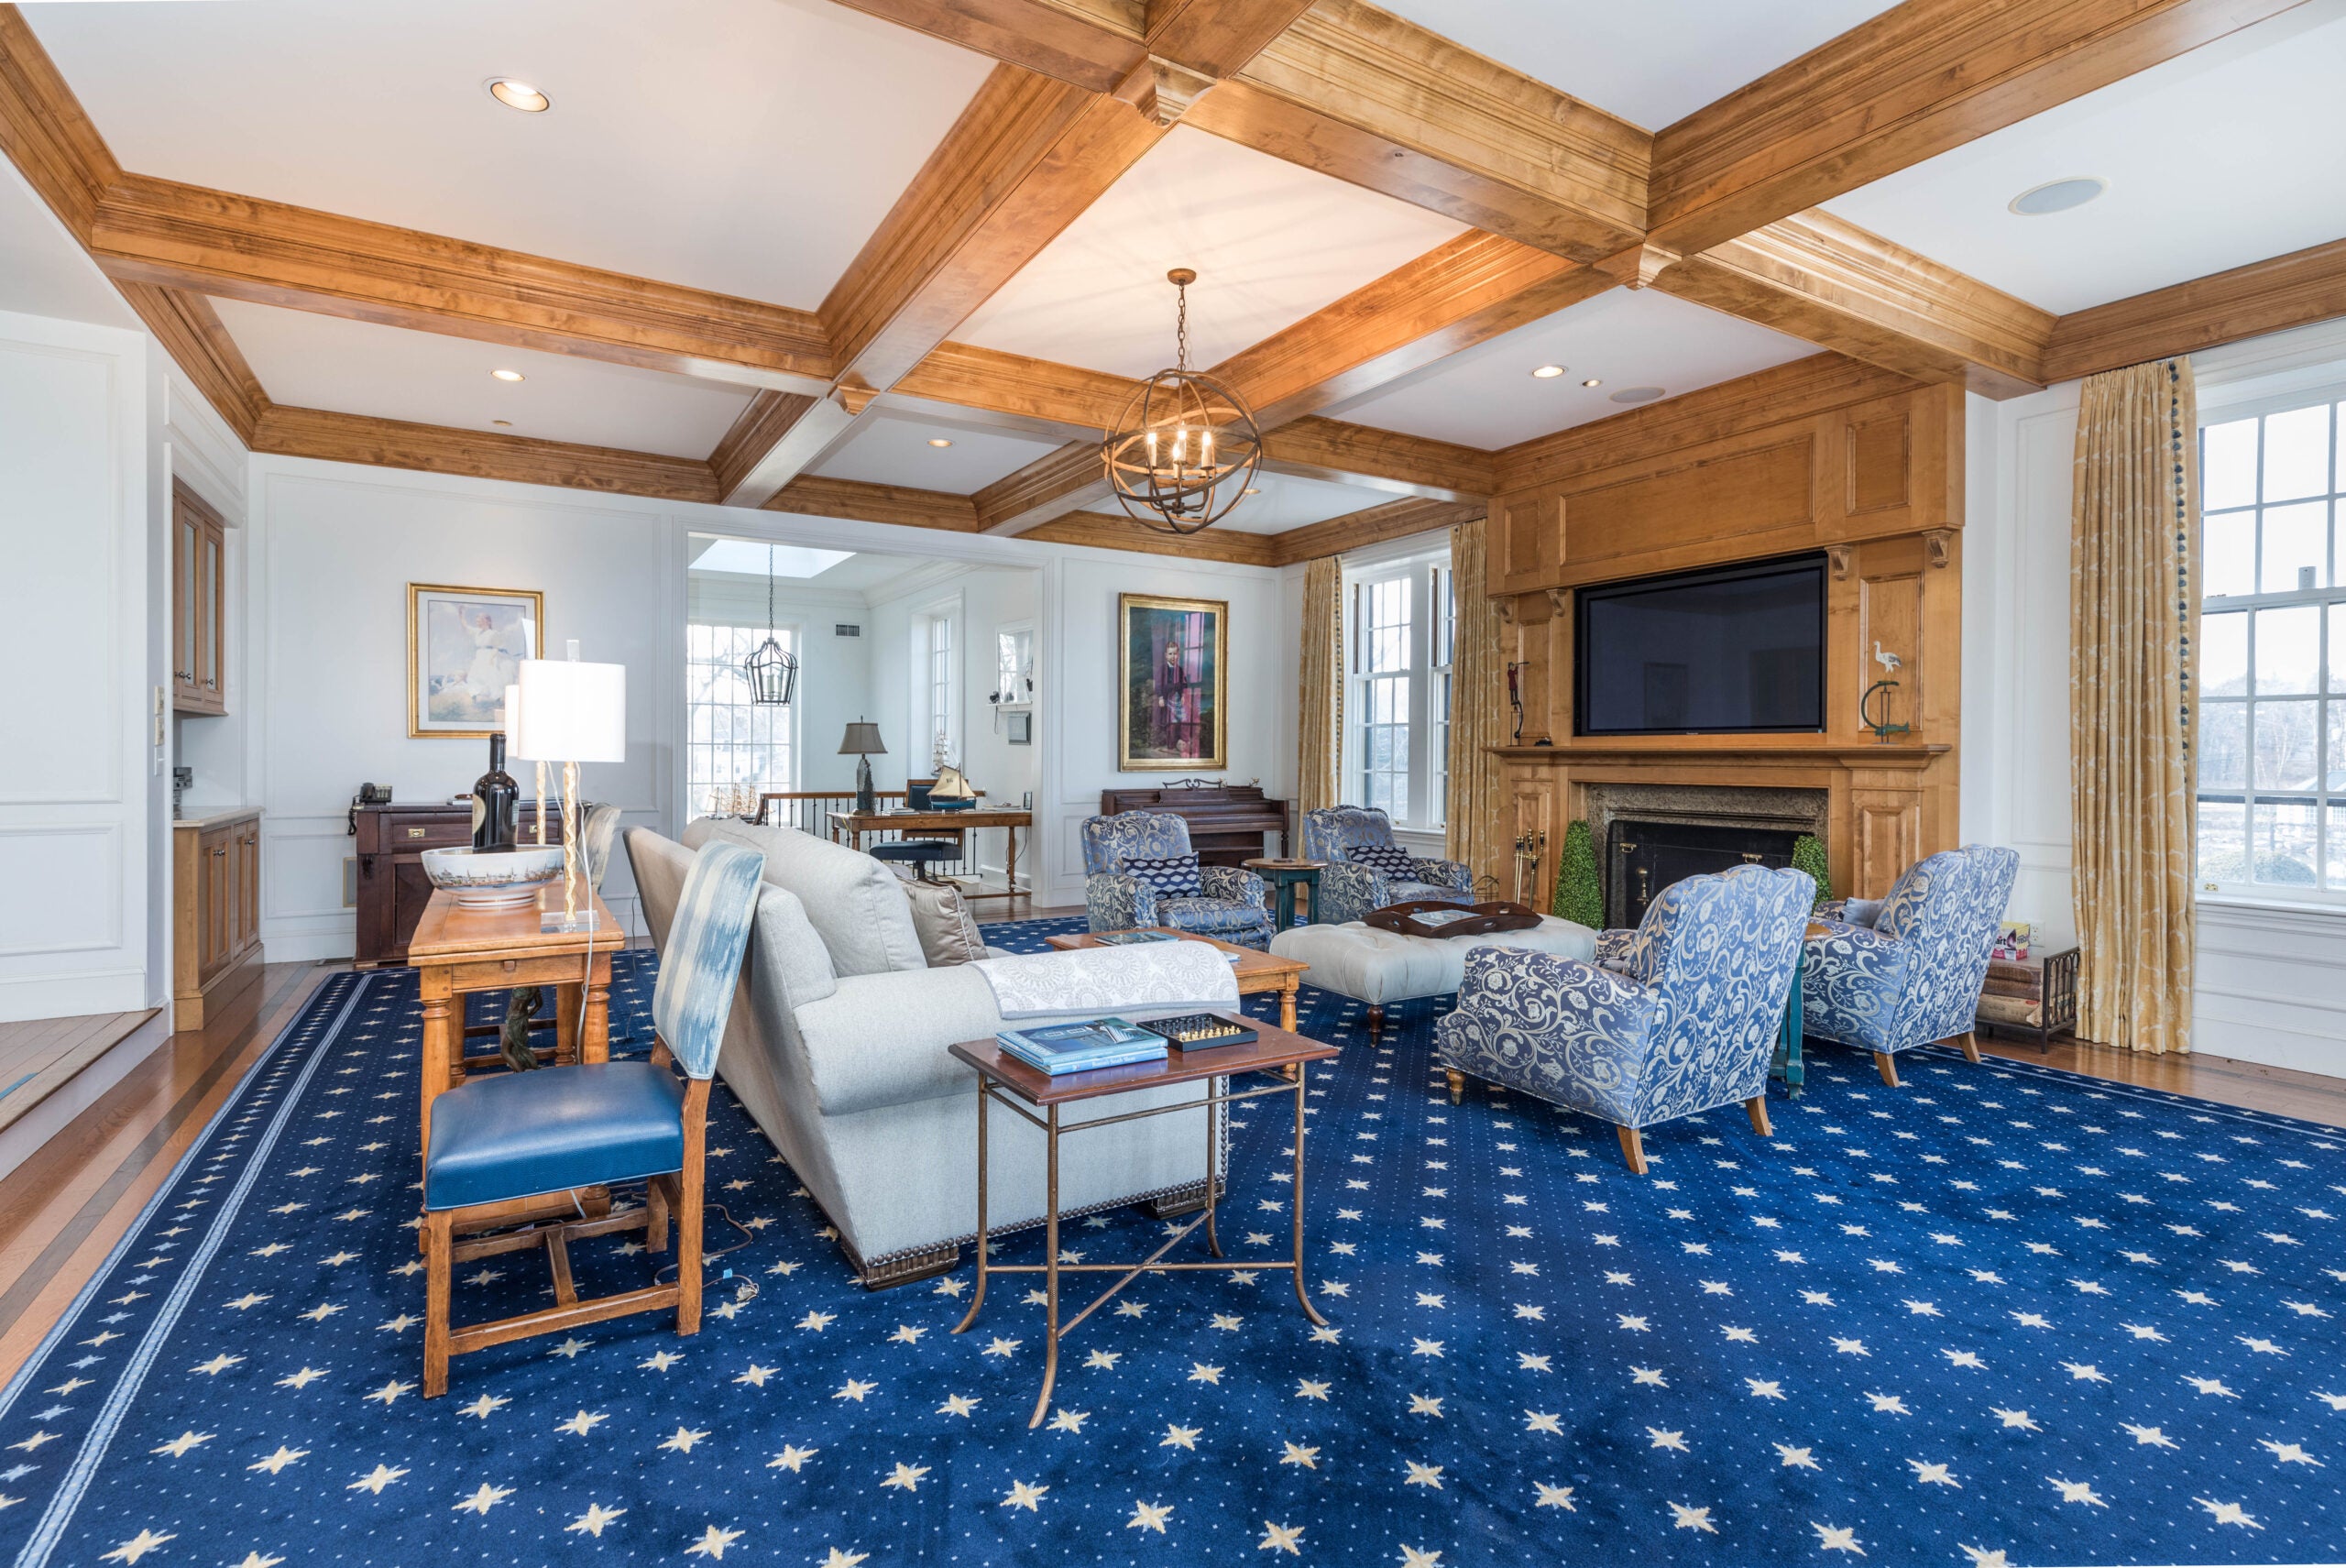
{"x": 45, "y": 132}
{"x": 1462, "y": 293}
{"x": 1909, "y": 83}
{"x": 270, "y": 253}
{"x": 440, "y": 449}
{"x": 1817, "y": 277}
{"x": 1108, "y": 530}
{"x": 1071, "y": 479}
{"x": 1356, "y": 531}
{"x": 2296, "y": 289}
{"x": 1377, "y": 459}
{"x": 1362, "y": 95}
{"x": 811, "y": 494}
{"x": 191, "y": 333}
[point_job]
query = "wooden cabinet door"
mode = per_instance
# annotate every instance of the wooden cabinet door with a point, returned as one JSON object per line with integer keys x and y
{"x": 199, "y": 605}
{"x": 211, "y": 583}
{"x": 1526, "y": 541}
{"x": 248, "y": 861}
{"x": 214, "y": 882}
{"x": 187, "y": 550}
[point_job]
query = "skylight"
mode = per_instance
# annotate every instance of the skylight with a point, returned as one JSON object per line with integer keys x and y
{"x": 748, "y": 556}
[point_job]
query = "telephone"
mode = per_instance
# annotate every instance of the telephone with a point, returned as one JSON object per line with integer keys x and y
{"x": 369, "y": 794}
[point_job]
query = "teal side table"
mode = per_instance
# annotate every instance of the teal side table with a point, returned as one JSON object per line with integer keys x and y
{"x": 1786, "y": 1066}
{"x": 1286, "y": 876}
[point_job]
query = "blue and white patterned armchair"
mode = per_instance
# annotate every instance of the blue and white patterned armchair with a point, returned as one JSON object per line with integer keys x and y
{"x": 1230, "y": 906}
{"x": 1687, "y": 1024}
{"x": 1349, "y": 888}
{"x": 1907, "y": 971}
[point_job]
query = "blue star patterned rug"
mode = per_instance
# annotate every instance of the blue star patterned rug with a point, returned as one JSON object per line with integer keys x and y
{"x": 2003, "y": 1316}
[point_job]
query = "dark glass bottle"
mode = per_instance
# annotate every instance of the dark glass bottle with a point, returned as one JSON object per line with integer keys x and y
{"x": 496, "y": 801}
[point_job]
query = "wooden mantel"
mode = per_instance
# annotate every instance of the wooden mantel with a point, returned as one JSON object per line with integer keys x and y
{"x": 1819, "y": 454}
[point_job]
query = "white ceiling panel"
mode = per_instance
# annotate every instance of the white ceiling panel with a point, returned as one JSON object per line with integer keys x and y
{"x": 743, "y": 145}
{"x": 1271, "y": 243}
{"x": 324, "y": 362}
{"x": 1654, "y": 63}
{"x": 2227, "y": 155}
{"x": 44, "y": 271}
{"x": 1626, "y": 340}
{"x": 1284, "y": 501}
{"x": 892, "y": 448}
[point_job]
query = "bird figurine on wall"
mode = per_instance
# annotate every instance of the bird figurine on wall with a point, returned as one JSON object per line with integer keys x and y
{"x": 1882, "y": 728}
{"x": 1888, "y": 661}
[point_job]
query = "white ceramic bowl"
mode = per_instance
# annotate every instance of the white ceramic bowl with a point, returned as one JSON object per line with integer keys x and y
{"x": 494, "y": 878}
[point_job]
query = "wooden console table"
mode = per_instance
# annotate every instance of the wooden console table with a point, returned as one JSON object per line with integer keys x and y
{"x": 852, "y": 826}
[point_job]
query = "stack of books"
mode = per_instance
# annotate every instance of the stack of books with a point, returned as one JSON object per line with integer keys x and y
{"x": 1082, "y": 1045}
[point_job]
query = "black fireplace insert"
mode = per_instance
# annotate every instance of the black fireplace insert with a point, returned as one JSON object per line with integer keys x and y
{"x": 1643, "y": 857}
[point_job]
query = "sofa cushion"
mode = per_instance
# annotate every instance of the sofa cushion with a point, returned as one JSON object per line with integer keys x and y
{"x": 854, "y": 903}
{"x": 948, "y": 932}
{"x": 1171, "y": 875}
{"x": 781, "y": 936}
{"x": 518, "y": 1135}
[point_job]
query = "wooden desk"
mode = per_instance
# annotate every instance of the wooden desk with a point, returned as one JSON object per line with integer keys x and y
{"x": 1257, "y": 971}
{"x": 852, "y": 826}
{"x": 457, "y": 951}
{"x": 1008, "y": 1082}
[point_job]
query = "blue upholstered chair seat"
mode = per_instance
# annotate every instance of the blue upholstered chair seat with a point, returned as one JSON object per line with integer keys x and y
{"x": 1421, "y": 891}
{"x": 1349, "y": 888}
{"x": 1208, "y": 916}
{"x": 523, "y": 1134}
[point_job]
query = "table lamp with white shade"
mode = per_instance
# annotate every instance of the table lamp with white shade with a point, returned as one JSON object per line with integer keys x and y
{"x": 566, "y": 711}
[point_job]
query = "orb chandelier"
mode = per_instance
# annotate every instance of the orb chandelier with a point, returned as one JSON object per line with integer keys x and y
{"x": 1187, "y": 447}
{"x": 773, "y": 674}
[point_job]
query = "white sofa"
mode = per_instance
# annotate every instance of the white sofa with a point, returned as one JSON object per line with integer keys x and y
{"x": 837, "y": 1047}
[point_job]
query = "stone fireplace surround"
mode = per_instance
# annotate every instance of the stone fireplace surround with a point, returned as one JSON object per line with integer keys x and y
{"x": 1721, "y": 806}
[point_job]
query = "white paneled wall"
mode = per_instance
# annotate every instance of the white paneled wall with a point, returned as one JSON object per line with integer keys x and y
{"x": 80, "y": 759}
{"x": 2271, "y": 980}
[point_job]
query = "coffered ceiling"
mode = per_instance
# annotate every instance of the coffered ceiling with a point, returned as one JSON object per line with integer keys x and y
{"x": 357, "y": 367}
{"x": 748, "y": 146}
{"x": 1640, "y": 346}
{"x": 768, "y": 253}
{"x": 1271, "y": 242}
{"x": 2216, "y": 158}
{"x": 1651, "y": 62}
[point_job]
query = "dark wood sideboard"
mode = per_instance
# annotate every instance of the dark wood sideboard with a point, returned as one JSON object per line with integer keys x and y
{"x": 392, "y": 888}
{"x": 1227, "y": 821}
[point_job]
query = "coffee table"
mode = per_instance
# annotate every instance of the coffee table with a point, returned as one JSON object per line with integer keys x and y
{"x": 1257, "y": 971}
{"x": 1005, "y": 1080}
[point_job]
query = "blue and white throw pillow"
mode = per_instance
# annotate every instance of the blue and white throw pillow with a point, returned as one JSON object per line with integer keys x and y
{"x": 1389, "y": 858}
{"x": 1173, "y": 876}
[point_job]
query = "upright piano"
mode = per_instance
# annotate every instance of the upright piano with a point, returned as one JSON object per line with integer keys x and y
{"x": 1227, "y": 821}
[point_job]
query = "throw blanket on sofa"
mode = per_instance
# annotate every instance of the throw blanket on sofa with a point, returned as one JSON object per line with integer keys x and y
{"x": 1153, "y": 977}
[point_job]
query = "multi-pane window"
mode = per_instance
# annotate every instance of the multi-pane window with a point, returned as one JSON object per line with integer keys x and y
{"x": 944, "y": 707}
{"x": 1398, "y": 707}
{"x": 2271, "y": 662}
{"x": 730, "y": 741}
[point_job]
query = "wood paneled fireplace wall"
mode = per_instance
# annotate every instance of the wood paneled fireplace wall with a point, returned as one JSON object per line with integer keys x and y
{"x": 1823, "y": 453}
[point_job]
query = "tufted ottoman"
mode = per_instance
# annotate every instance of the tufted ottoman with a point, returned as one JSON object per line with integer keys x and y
{"x": 1384, "y": 968}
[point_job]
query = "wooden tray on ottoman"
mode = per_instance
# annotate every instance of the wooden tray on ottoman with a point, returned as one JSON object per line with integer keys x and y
{"x": 1480, "y": 919}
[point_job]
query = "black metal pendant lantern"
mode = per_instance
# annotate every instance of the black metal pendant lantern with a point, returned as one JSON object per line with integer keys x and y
{"x": 772, "y": 672}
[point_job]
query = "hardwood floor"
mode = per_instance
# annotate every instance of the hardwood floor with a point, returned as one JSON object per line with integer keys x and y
{"x": 1022, "y": 906}
{"x": 2253, "y": 1085}
{"x": 43, "y": 1055}
{"x": 65, "y": 1207}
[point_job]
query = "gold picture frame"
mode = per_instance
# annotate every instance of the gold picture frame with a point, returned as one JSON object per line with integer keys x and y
{"x": 463, "y": 647}
{"x": 1173, "y": 684}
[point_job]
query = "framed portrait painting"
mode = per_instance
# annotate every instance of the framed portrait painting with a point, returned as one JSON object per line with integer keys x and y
{"x": 464, "y": 646}
{"x": 1173, "y": 686}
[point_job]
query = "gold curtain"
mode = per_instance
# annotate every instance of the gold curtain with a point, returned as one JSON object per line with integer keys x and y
{"x": 1476, "y": 832}
{"x": 1320, "y": 708}
{"x": 2134, "y": 627}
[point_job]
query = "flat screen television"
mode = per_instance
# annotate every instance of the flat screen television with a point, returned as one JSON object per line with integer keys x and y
{"x": 1731, "y": 650}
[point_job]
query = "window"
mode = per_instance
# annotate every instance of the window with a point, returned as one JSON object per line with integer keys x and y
{"x": 2272, "y": 655}
{"x": 943, "y": 697}
{"x": 1397, "y": 745}
{"x": 729, "y": 739}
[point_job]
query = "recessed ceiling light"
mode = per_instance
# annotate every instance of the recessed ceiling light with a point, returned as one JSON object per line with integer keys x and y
{"x": 1592, "y": 381}
{"x": 1548, "y": 372}
{"x": 1637, "y": 394}
{"x": 938, "y": 440}
{"x": 507, "y": 422}
{"x": 519, "y": 95}
{"x": 2059, "y": 195}
{"x": 1251, "y": 490}
{"x": 509, "y": 375}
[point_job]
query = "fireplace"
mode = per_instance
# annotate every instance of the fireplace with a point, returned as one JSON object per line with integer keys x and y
{"x": 1650, "y": 836}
